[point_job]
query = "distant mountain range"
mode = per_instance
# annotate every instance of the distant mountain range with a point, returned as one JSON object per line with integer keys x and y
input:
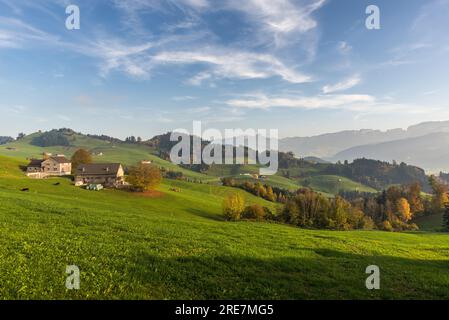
{"x": 425, "y": 145}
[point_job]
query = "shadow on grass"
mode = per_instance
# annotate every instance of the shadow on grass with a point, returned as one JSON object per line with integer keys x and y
{"x": 320, "y": 274}
{"x": 205, "y": 214}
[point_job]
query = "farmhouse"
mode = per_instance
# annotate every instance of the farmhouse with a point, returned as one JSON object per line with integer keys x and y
{"x": 52, "y": 166}
{"x": 106, "y": 174}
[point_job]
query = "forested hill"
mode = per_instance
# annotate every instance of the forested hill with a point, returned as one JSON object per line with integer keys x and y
{"x": 373, "y": 173}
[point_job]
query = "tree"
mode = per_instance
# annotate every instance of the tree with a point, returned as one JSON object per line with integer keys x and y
{"x": 81, "y": 156}
{"x": 50, "y": 139}
{"x": 144, "y": 177}
{"x": 403, "y": 208}
{"x": 233, "y": 206}
{"x": 290, "y": 213}
{"x": 270, "y": 196}
{"x": 255, "y": 211}
{"x": 440, "y": 197}
{"x": 446, "y": 218}
{"x": 21, "y": 135}
{"x": 414, "y": 198}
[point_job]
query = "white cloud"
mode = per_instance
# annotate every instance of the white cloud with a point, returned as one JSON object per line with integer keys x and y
{"x": 232, "y": 64}
{"x": 14, "y": 33}
{"x": 139, "y": 58}
{"x": 183, "y": 98}
{"x": 339, "y": 101}
{"x": 116, "y": 56}
{"x": 343, "y": 85}
{"x": 279, "y": 19}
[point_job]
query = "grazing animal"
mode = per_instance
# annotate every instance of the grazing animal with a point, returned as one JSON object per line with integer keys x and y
{"x": 25, "y": 189}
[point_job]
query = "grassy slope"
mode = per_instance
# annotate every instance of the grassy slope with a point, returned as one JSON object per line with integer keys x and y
{"x": 335, "y": 184}
{"x": 178, "y": 246}
{"x": 127, "y": 154}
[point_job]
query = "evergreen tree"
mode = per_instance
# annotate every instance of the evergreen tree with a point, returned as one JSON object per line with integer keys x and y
{"x": 446, "y": 218}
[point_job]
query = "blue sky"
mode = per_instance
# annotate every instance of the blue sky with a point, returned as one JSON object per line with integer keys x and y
{"x": 144, "y": 67}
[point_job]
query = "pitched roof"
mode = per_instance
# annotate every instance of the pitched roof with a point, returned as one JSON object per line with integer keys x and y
{"x": 60, "y": 159}
{"x": 98, "y": 169}
{"x": 35, "y": 163}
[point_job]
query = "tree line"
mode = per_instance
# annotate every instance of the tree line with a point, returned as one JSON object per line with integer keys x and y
{"x": 391, "y": 210}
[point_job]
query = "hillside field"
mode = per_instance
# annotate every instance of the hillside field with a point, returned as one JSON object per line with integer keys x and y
{"x": 175, "y": 245}
{"x": 130, "y": 154}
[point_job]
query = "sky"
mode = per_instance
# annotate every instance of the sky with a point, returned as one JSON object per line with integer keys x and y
{"x": 146, "y": 67}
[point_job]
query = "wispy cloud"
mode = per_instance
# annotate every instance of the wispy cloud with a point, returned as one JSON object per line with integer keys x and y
{"x": 232, "y": 64}
{"x": 341, "y": 101}
{"x": 132, "y": 60}
{"x": 14, "y": 33}
{"x": 279, "y": 19}
{"x": 139, "y": 57}
{"x": 343, "y": 85}
{"x": 183, "y": 98}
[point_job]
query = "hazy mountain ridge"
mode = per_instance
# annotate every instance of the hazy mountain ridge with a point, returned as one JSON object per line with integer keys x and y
{"x": 430, "y": 151}
{"x": 425, "y": 145}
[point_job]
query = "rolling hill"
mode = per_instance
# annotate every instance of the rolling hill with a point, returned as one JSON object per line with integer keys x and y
{"x": 176, "y": 245}
{"x": 103, "y": 151}
{"x": 129, "y": 154}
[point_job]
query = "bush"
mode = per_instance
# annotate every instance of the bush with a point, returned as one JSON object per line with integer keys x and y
{"x": 386, "y": 226}
{"x": 233, "y": 207}
{"x": 255, "y": 211}
{"x": 413, "y": 227}
{"x": 368, "y": 223}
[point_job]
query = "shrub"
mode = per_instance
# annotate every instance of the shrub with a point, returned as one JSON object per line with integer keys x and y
{"x": 368, "y": 223}
{"x": 413, "y": 227}
{"x": 255, "y": 211}
{"x": 233, "y": 207}
{"x": 386, "y": 226}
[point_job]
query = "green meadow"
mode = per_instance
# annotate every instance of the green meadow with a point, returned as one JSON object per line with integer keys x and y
{"x": 176, "y": 245}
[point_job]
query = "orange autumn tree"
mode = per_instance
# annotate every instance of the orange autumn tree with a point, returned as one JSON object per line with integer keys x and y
{"x": 403, "y": 208}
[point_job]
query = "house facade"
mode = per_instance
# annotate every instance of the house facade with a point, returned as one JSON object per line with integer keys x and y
{"x": 109, "y": 175}
{"x": 54, "y": 166}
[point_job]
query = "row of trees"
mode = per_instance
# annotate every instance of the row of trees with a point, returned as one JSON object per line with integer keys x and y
{"x": 133, "y": 139}
{"x": 51, "y": 138}
{"x": 234, "y": 209}
{"x": 373, "y": 173}
{"x": 390, "y": 210}
{"x": 258, "y": 189}
{"x": 5, "y": 139}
